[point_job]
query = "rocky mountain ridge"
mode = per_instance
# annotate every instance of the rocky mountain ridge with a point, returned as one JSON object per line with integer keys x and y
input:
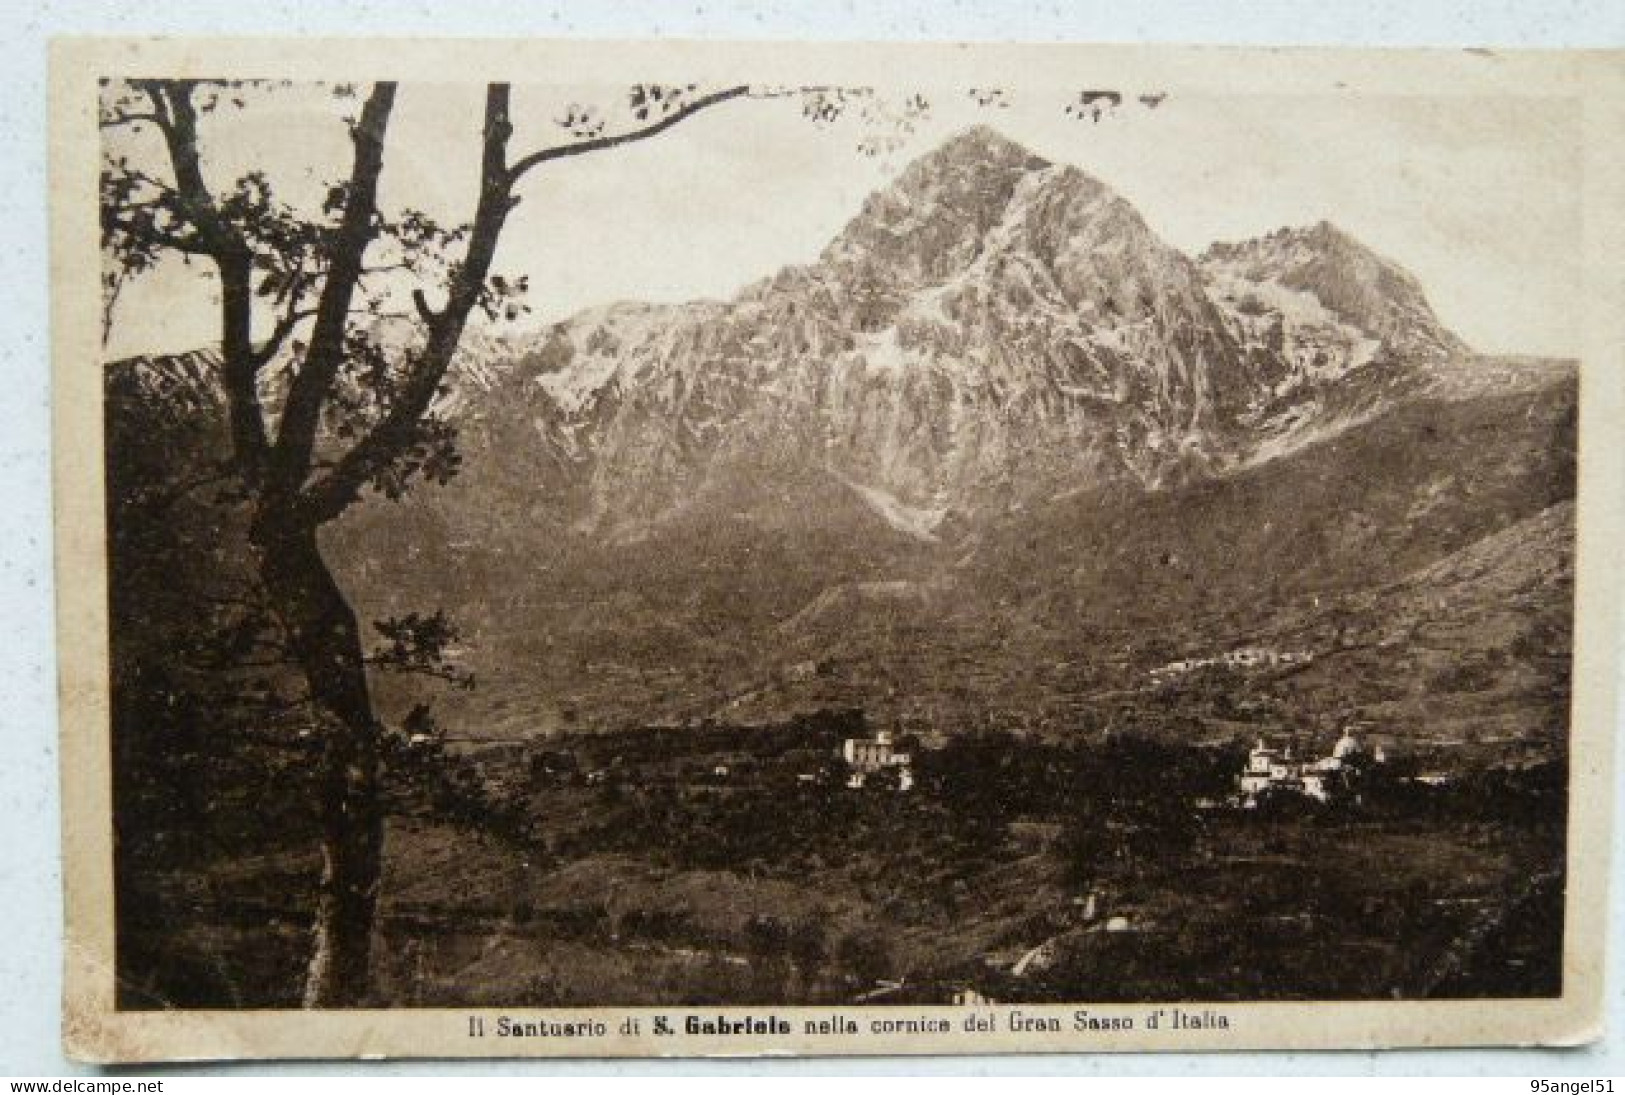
{"x": 990, "y": 328}
{"x": 998, "y": 451}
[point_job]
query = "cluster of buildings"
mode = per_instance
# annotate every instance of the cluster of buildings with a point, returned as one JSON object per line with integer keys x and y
{"x": 1274, "y": 770}
{"x": 869, "y": 758}
{"x": 1248, "y": 657}
{"x": 878, "y": 761}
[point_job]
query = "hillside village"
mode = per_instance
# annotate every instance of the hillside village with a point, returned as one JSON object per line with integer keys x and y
{"x": 1249, "y": 657}
{"x": 1057, "y": 860}
{"x": 1273, "y": 768}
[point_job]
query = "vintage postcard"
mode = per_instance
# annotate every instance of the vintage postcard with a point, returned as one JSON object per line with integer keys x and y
{"x": 657, "y": 549}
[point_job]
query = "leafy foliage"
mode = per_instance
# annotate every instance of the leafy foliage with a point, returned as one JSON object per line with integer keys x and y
{"x": 419, "y": 644}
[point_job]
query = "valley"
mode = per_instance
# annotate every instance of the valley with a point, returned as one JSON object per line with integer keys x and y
{"x": 977, "y": 477}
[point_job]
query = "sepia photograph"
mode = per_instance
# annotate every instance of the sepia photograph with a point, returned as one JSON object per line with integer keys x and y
{"x": 768, "y": 547}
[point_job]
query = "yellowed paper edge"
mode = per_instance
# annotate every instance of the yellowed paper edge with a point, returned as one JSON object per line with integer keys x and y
{"x": 95, "y": 1031}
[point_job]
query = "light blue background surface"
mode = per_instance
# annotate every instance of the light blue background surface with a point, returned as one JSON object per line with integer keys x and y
{"x": 30, "y": 903}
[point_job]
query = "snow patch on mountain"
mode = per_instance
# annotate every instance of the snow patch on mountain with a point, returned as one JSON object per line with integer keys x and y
{"x": 920, "y": 522}
{"x": 992, "y": 327}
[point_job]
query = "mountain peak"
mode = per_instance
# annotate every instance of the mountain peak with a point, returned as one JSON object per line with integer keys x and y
{"x": 1324, "y": 234}
{"x": 975, "y": 162}
{"x": 984, "y": 144}
{"x": 1360, "y": 286}
{"x": 1322, "y": 239}
{"x": 933, "y": 218}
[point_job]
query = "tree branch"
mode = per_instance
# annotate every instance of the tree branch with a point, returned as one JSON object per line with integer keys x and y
{"x": 599, "y": 144}
{"x": 122, "y": 117}
{"x": 447, "y": 673}
{"x": 421, "y": 303}
{"x": 285, "y": 326}
{"x": 189, "y": 245}
{"x": 314, "y": 380}
{"x": 176, "y": 117}
{"x": 396, "y": 430}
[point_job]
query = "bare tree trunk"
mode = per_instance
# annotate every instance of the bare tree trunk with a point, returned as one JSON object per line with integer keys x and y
{"x": 327, "y": 644}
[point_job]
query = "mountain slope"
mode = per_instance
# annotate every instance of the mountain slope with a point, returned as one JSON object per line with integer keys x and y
{"x": 991, "y": 327}
{"x": 996, "y": 454}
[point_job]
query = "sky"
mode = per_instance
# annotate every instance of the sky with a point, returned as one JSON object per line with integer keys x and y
{"x": 1478, "y": 197}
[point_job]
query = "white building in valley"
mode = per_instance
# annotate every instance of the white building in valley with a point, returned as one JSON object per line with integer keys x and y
{"x": 866, "y": 757}
{"x": 1272, "y": 770}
